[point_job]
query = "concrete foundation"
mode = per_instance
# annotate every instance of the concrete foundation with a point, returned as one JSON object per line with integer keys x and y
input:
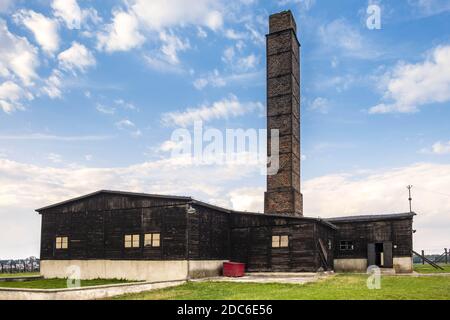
{"x": 403, "y": 265}
{"x": 154, "y": 271}
{"x": 350, "y": 265}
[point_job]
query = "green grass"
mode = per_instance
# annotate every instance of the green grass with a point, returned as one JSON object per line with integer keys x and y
{"x": 426, "y": 268}
{"x": 339, "y": 287}
{"x": 56, "y": 283}
{"x": 18, "y": 275}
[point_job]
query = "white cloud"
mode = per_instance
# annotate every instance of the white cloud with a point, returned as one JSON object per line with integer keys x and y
{"x": 338, "y": 83}
{"x": 247, "y": 199}
{"x": 234, "y": 35}
{"x": 247, "y": 63}
{"x": 430, "y": 7}
{"x": 126, "y": 105}
{"x": 410, "y": 86}
{"x": 105, "y": 109}
{"x": 5, "y": 5}
{"x": 77, "y": 57}
{"x": 228, "y": 55}
{"x": 439, "y": 148}
{"x": 320, "y": 104}
{"x": 130, "y": 127}
{"x": 157, "y": 16}
{"x": 11, "y": 96}
{"x": 223, "y": 109}
{"x": 45, "y": 30}
{"x": 216, "y": 80}
{"x": 341, "y": 35}
{"x": 50, "y": 137}
{"x": 72, "y": 15}
{"x": 122, "y": 34}
{"x": 161, "y": 14}
{"x": 53, "y": 85}
{"x": 54, "y": 157}
{"x": 303, "y": 4}
{"x": 69, "y": 11}
{"x": 239, "y": 64}
{"x": 17, "y": 56}
{"x": 171, "y": 46}
{"x": 213, "y": 79}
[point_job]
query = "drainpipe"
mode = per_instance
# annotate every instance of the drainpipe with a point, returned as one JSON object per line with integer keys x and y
{"x": 189, "y": 210}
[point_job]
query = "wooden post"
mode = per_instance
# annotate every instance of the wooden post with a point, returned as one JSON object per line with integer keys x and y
{"x": 446, "y": 256}
{"x": 423, "y": 256}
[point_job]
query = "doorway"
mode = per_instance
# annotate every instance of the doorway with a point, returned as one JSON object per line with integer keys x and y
{"x": 380, "y": 254}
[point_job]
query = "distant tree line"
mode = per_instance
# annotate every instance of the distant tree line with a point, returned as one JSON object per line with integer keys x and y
{"x": 31, "y": 264}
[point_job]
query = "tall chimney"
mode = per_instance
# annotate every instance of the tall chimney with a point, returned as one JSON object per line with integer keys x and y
{"x": 283, "y": 113}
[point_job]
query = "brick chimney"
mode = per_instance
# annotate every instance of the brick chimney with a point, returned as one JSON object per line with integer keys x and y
{"x": 283, "y": 113}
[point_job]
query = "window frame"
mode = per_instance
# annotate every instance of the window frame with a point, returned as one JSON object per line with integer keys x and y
{"x": 133, "y": 239}
{"x": 280, "y": 241}
{"x": 61, "y": 242}
{"x": 154, "y": 241}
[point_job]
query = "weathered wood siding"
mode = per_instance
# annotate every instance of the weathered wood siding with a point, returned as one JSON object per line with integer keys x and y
{"x": 209, "y": 234}
{"x": 362, "y": 233}
{"x": 251, "y": 242}
{"x": 96, "y": 228}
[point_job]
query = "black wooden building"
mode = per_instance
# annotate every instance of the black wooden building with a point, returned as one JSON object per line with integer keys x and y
{"x": 153, "y": 237}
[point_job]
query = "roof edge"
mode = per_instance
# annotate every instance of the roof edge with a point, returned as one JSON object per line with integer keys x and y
{"x": 135, "y": 194}
{"x": 377, "y": 217}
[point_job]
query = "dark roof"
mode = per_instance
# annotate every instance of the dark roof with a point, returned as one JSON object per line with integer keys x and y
{"x": 378, "y": 217}
{"x": 323, "y": 221}
{"x": 188, "y": 200}
{"x": 124, "y": 193}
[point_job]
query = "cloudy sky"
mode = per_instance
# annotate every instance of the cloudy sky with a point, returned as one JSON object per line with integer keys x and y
{"x": 91, "y": 91}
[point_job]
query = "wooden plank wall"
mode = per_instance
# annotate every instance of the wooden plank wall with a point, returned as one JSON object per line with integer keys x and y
{"x": 98, "y": 231}
{"x": 251, "y": 237}
{"x": 363, "y": 233}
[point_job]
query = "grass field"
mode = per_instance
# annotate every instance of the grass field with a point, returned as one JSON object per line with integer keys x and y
{"x": 339, "y": 287}
{"x": 426, "y": 268}
{"x": 18, "y": 275}
{"x": 56, "y": 283}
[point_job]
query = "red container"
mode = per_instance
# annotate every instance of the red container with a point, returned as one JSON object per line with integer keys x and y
{"x": 233, "y": 269}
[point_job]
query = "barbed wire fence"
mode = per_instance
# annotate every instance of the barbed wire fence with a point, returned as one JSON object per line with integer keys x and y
{"x": 31, "y": 264}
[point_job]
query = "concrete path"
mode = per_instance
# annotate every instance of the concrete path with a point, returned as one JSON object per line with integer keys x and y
{"x": 289, "y": 278}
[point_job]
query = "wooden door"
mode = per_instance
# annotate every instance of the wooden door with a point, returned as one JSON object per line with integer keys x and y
{"x": 371, "y": 255}
{"x": 387, "y": 252}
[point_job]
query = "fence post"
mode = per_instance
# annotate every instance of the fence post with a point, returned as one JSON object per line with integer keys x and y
{"x": 446, "y": 256}
{"x": 423, "y": 256}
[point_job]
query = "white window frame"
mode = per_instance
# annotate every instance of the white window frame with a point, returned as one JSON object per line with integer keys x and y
{"x": 132, "y": 241}
{"x": 62, "y": 243}
{"x": 280, "y": 241}
{"x": 152, "y": 240}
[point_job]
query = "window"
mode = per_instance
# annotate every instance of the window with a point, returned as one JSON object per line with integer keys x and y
{"x": 280, "y": 241}
{"x": 62, "y": 243}
{"x": 346, "y": 245}
{"x": 152, "y": 240}
{"x": 132, "y": 241}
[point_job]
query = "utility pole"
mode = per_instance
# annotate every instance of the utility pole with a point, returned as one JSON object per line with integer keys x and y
{"x": 410, "y": 197}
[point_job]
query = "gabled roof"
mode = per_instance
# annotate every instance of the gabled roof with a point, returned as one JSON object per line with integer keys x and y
{"x": 368, "y": 218}
{"x": 122, "y": 193}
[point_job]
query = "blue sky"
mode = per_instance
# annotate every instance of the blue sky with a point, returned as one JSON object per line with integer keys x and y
{"x": 86, "y": 88}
